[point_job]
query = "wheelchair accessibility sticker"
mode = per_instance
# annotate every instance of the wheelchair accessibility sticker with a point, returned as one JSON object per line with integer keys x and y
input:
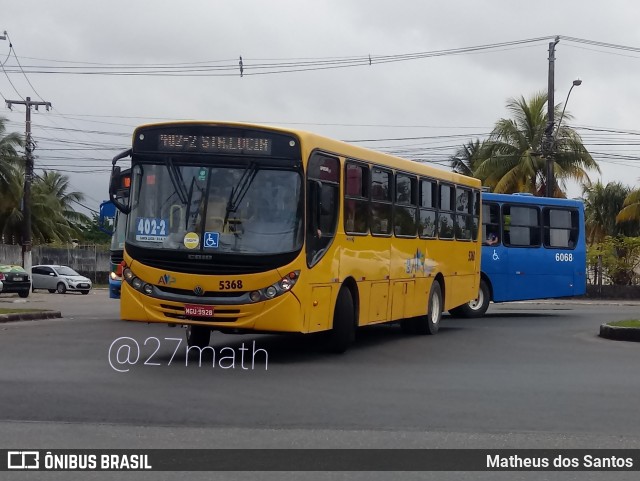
{"x": 211, "y": 239}
{"x": 496, "y": 257}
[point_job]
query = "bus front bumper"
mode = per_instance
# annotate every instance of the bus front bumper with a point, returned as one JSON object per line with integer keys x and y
{"x": 281, "y": 314}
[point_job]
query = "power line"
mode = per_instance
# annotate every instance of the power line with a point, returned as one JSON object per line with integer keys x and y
{"x": 214, "y": 68}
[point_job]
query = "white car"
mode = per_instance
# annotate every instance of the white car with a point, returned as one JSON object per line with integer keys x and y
{"x": 59, "y": 279}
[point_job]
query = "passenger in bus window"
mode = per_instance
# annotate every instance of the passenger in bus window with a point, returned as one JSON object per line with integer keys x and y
{"x": 492, "y": 239}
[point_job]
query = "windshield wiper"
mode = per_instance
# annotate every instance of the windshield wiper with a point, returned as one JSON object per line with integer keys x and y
{"x": 186, "y": 217}
{"x": 176, "y": 180}
{"x": 240, "y": 190}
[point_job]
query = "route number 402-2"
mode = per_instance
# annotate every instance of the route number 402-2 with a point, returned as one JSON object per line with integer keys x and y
{"x": 564, "y": 257}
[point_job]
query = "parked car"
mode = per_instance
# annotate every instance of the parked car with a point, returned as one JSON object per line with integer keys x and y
{"x": 59, "y": 279}
{"x": 14, "y": 279}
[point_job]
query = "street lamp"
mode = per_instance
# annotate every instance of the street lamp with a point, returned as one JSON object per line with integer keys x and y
{"x": 551, "y": 142}
{"x": 576, "y": 83}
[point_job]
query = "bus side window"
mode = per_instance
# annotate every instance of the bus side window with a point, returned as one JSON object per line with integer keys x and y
{"x": 521, "y": 225}
{"x": 356, "y": 198}
{"x": 560, "y": 228}
{"x": 490, "y": 224}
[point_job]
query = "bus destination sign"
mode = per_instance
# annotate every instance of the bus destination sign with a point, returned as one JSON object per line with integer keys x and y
{"x": 214, "y": 144}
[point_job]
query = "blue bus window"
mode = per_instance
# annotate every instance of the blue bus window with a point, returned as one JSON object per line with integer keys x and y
{"x": 560, "y": 228}
{"x": 491, "y": 224}
{"x": 521, "y": 225}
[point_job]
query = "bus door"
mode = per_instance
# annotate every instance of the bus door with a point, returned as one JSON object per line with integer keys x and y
{"x": 323, "y": 190}
{"x": 565, "y": 257}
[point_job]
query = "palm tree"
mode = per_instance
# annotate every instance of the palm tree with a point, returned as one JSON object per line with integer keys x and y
{"x": 9, "y": 144}
{"x": 9, "y": 181}
{"x": 53, "y": 219}
{"x": 602, "y": 205}
{"x": 57, "y": 185}
{"x": 631, "y": 208}
{"x": 467, "y": 159}
{"x": 511, "y": 160}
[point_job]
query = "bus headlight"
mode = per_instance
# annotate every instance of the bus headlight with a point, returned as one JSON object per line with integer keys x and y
{"x": 148, "y": 289}
{"x": 128, "y": 275}
{"x": 255, "y": 296}
{"x": 270, "y": 292}
{"x": 136, "y": 283}
{"x": 283, "y": 285}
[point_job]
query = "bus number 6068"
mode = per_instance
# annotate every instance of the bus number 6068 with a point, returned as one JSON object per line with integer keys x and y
{"x": 561, "y": 257}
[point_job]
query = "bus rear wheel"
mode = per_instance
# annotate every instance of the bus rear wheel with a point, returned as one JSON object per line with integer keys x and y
{"x": 430, "y": 324}
{"x": 343, "y": 332}
{"x": 198, "y": 336}
{"x": 476, "y": 307}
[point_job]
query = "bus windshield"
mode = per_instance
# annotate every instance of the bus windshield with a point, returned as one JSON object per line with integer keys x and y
{"x": 119, "y": 231}
{"x": 216, "y": 209}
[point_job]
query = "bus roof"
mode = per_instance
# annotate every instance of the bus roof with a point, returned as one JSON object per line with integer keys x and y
{"x": 523, "y": 198}
{"x": 339, "y": 148}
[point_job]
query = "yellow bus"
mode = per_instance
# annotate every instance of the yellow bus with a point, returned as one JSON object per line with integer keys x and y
{"x": 248, "y": 228}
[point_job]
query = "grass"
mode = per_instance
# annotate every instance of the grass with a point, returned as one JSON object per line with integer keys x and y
{"x": 19, "y": 311}
{"x": 627, "y": 323}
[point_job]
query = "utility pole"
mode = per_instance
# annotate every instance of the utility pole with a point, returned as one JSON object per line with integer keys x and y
{"x": 548, "y": 147}
{"x": 28, "y": 179}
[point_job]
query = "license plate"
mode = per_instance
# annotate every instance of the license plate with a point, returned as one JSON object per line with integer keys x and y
{"x": 83, "y": 285}
{"x": 198, "y": 310}
{"x": 18, "y": 278}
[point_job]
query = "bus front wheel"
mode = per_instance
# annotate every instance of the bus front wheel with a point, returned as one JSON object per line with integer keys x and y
{"x": 343, "y": 332}
{"x": 198, "y": 336}
{"x": 476, "y": 307}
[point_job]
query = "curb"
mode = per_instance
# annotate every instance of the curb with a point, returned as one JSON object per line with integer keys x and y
{"x": 30, "y": 316}
{"x": 618, "y": 333}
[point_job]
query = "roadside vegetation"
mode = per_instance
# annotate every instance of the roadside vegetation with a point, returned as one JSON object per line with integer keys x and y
{"x": 628, "y": 323}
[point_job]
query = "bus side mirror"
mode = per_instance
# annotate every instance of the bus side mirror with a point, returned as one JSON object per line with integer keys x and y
{"x": 114, "y": 185}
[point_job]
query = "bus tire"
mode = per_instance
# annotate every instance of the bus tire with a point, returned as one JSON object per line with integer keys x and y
{"x": 343, "y": 332}
{"x": 430, "y": 324}
{"x": 477, "y": 307}
{"x": 198, "y": 336}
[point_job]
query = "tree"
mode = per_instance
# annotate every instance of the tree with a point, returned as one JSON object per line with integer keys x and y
{"x": 631, "y": 208}
{"x": 91, "y": 233}
{"x": 511, "y": 159}
{"x": 9, "y": 160}
{"x": 602, "y": 205}
{"x": 620, "y": 258}
{"x": 53, "y": 219}
{"x": 9, "y": 143}
{"x": 467, "y": 159}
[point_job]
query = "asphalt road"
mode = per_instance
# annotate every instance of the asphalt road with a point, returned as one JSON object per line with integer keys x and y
{"x": 528, "y": 375}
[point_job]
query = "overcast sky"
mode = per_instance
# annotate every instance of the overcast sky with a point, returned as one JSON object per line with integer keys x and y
{"x": 439, "y": 101}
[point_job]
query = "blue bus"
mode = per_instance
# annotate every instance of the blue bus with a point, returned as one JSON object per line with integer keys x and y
{"x": 118, "y": 222}
{"x": 533, "y": 248}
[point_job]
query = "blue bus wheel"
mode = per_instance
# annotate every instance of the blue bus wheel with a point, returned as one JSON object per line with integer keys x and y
{"x": 476, "y": 307}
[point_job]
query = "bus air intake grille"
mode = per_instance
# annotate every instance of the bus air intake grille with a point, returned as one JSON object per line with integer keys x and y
{"x": 192, "y": 267}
